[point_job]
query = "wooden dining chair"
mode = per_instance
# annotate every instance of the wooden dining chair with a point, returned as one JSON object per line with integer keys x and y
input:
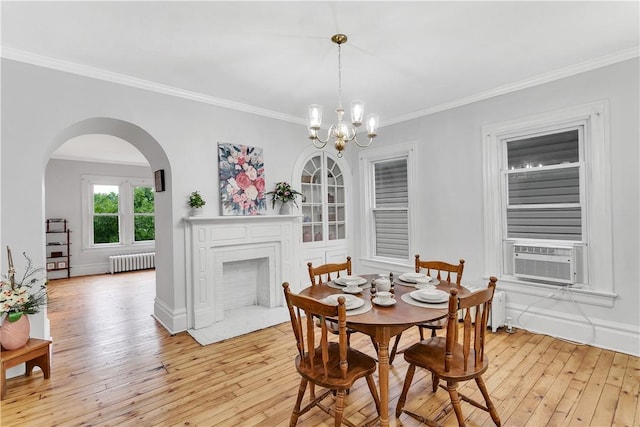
{"x": 442, "y": 271}
{"x": 453, "y": 360}
{"x": 333, "y": 366}
{"x": 323, "y": 273}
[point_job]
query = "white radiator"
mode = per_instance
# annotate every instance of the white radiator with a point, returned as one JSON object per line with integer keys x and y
{"x": 498, "y": 310}
{"x": 130, "y": 262}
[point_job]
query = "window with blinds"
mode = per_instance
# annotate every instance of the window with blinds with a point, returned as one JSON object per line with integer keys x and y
{"x": 543, "y": 187}
{"x": 390, "y": 212}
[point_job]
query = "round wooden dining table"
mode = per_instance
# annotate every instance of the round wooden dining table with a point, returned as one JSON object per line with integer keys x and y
{"x": 383, "y": 323}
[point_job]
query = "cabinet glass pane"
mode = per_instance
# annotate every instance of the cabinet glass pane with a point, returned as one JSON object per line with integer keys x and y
{"x": 307, "y": 233}
{"x": 316, "y": 215}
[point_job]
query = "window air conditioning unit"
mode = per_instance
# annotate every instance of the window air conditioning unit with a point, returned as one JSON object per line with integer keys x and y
{"x": 554, "y": 264}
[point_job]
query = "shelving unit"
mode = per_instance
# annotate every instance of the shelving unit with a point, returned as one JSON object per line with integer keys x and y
{"x": 58, "y": 241}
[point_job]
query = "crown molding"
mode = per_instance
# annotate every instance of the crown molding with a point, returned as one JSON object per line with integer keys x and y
{"x": 561, "y": 73}
{"x": 126, "y": 80}
{"x": 123, "y": 79}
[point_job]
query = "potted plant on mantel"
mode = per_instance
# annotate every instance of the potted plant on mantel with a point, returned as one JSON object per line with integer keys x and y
{"x": 196, "y": 202}
{"x": 284, "y": 193}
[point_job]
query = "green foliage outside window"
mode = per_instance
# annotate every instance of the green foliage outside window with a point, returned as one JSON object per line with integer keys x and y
{"x": 143, "y": 203}
{"x": 106, "y": 228}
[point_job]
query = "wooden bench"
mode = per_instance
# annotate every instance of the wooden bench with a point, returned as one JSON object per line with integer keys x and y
{"x": 34, "y": 353}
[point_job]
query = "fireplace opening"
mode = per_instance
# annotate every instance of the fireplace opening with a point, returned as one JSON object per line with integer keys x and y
{"x": 245, "y": 283}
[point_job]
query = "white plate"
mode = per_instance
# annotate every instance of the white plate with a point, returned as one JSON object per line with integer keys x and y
{"x": 434, "y": 296}
{"x": 412, "y": 277}
{"x": 424, "y": 286}
{"x": 350, "y": 303}
{"x": 384, "y": 303}
{"x": 349, "y": 280}
{"x": 348, "y": 290}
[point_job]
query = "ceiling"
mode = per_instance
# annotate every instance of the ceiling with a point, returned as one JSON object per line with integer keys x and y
{"x": 403, "y": 59}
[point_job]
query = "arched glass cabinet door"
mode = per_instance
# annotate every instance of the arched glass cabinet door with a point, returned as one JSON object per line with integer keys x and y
{"x": 323, "y": 200}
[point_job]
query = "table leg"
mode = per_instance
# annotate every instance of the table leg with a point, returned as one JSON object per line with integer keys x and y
{"x": 383, "y": 375}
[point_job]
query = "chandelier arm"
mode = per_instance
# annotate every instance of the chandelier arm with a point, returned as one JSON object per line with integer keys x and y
{"x": 365, "y": 145}
{"x": 322, "y": 143}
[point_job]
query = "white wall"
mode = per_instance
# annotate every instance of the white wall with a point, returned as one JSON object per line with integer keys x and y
{"x": 63, "y": 199}
{"x": 38, "y": 105}
{"x": 41, "y": 108}
{"x": 450, "y": 199}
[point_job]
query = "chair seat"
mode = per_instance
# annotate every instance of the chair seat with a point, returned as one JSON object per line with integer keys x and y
{"x": 360, "y": 365}
{"x": 429, "y": 354}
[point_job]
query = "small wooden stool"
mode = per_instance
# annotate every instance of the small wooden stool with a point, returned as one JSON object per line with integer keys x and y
{"x": 34, "y": 353}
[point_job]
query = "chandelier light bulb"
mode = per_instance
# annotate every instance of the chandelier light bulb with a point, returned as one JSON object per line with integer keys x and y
{"x": 315, "y": 116}
{"x": 357, "y": 112}
{"x": 372, "y": 125}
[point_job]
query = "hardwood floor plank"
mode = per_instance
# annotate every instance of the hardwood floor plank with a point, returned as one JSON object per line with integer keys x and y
{"x": 593, "y": 390}
{"x": 113, "y": 364}
{"x": 628, "y": 409}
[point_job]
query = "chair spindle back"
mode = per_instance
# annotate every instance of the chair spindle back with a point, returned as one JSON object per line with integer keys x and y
{"x": 440, "y": 268}
{"x": 316, "y": 273}
{"x": 475, "y": 308}
{"x": 302, "y": 311}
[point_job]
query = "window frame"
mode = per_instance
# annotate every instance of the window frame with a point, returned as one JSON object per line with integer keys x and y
{"x": 595, "y": 188}
{"x": 126, "y": 215}
{"x": 580, "y": 165}
{"x": 368, "y": 159}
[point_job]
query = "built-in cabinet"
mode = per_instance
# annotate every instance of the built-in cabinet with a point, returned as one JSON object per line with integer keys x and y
{"x": 323, "y": 200}
{"x": 323, "y": 184}
{"x": 58, "y": 241}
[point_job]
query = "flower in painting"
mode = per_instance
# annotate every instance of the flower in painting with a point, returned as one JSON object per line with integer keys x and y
{"x": 241, "y": 170}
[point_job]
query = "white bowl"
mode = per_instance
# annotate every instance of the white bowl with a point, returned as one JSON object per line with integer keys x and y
{"x": 351, "y": 280}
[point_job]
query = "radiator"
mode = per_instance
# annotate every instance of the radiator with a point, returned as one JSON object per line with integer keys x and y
{"x": 130, "y": 262}
{"x": 498, "y": 310}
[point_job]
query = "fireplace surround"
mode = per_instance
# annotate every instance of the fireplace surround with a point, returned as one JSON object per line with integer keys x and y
{"x": 267, "y": 243}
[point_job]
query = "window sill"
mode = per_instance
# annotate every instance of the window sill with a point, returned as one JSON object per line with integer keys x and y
{"x": 581, "y": 295}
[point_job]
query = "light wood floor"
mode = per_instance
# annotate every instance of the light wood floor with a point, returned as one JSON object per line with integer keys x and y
{"x": 114, "y": 365}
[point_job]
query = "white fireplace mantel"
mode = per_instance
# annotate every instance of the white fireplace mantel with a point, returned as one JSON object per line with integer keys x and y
{"x": 212, "y": 241}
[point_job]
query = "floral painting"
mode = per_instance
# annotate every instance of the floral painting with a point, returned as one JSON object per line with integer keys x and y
{"x": 241, "y": 170}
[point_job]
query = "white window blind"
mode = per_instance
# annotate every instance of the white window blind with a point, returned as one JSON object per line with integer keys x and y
{"x": 391, "y": 209}
{"x": 543, "y": 187}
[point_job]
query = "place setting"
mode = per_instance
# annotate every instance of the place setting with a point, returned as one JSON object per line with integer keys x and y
{"x": 353, "y": 304}
{"x": 427, "y": 297}
{"x": 417, "y": 280}
{"x": 349, "y": 284}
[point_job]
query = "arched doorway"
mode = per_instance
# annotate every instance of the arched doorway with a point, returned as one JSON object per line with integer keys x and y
{"x": 157, "y": 160}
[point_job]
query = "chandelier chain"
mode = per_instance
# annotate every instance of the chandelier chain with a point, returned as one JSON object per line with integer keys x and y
{"x": 339, "y": 76}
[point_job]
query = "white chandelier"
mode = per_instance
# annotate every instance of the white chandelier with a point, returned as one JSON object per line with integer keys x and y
{"x": 342, "y": 132}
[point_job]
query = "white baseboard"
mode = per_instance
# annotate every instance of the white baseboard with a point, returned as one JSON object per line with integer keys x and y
{"x": 621, "y": 337}
{"x": 173, "y": 322}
